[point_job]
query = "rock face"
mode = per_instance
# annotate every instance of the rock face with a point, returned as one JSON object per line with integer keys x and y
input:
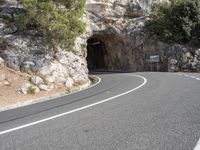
{"x": 119, "y": 25}
{"x": 27, "y": 51}
{"x": 115, "y": 39}
{"x": 179, "y": 57}
{"x": 117, "y": 29}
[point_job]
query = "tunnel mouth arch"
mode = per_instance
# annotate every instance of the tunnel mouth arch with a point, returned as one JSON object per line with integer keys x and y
{"x": 96, "y": 54}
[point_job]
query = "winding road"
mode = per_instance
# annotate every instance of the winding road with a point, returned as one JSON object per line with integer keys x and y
{"x": 136, "y": 111}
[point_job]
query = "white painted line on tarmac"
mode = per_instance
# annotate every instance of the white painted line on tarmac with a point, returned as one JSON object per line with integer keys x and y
{"x": 193, "y": 77}
{"x": 185, "y": 75}
{"x": 75, "y": 110}
{"x": 197, "y": 147}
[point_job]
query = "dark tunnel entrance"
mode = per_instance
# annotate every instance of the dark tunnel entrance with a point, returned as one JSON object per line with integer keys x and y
{"x": 96, "y": 52}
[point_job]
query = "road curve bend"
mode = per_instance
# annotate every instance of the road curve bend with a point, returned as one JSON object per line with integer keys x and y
{"x": 139, "y": 111}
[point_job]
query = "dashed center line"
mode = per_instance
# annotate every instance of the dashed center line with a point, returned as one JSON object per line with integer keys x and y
{"x": 197, "y": 147}
{"x": 193, "y": 77}
{"x": 189, "y": 76}
{"x": 186, "y": 75}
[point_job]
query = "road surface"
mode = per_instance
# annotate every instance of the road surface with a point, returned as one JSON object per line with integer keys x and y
{"x": 137, "y": 111}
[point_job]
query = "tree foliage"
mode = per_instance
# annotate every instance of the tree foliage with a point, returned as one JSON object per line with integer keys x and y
{"x": 178, "y": 23}
{"x": 57, "y": 20}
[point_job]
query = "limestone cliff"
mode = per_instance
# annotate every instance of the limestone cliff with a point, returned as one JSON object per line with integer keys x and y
{"x": 115, "y": 39}
{"x": 26, "y": 51}
{"x": 119, "y": 26}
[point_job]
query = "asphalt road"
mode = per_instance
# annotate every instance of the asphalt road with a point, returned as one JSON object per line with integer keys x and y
{"x": 123, "y": 112}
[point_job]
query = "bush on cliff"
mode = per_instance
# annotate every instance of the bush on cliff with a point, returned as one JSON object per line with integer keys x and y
{"x": 57, "y": 20}
{"x": 178, "y": 23}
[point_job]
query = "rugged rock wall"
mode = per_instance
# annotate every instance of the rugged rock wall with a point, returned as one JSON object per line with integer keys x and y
{"x": 27, "y": 51}
{"x": 120, "y": 25}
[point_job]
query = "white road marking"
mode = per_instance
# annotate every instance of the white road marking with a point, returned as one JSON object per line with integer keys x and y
{"x": 185, "y": 75}
{"x": 197, "y": 147}
{"x": 193, "y": 77}
{"x": 76, "y": 110}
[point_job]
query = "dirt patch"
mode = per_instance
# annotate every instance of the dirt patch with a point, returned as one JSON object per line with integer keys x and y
{"x": 11, "y": 81}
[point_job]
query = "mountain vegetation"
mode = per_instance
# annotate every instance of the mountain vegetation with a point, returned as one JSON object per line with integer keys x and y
{"x": 178, "y": 23}
{"x": 58, "y": 20}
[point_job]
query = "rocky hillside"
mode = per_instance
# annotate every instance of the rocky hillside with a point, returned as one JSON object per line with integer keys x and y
{"x": 27, "y": 52}
{"x": 119, "y": 25}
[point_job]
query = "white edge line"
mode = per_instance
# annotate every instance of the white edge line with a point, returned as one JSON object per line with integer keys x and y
{"x": 197, "y": 147}
{"x": 186, "y": 75}
{"x": 75, "y": 110}
{"x": 193, "y": 77}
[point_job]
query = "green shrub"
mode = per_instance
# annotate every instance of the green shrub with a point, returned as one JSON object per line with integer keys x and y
{"x": 58, "y": 20}
{"x": 31, "y": 90}
{"x": 2, "y": 2}
{"x": 178, "y": 23}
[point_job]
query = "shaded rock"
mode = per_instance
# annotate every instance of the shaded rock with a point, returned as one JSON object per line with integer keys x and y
{"x": 10, "y": 29}
{"x": 172, "y": 65}
{"x": 2, "y": 26}
{"x": 10, "y": 3}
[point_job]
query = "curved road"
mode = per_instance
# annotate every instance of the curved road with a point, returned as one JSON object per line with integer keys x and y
{"x": 141, "y": 111}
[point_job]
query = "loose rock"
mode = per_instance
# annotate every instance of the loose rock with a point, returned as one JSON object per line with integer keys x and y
{"x": 7, "y": 83}
{"x": 24, "y": 88}
{"x": 2, "y": 77}
{"x": 36, "y": 80}
{"x": 29, "y": 89}
{"x": 69, "y": 83}
{"x": 43, "y": 87}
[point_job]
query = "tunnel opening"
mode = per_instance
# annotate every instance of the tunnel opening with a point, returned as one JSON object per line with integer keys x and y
{"x": 96, "y": 54}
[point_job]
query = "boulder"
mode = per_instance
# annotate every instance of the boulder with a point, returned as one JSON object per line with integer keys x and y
{"x": 36, "y": 80}
{"x": 43, "y": 87}
{"x": 24, "y": 88}
{"x": 69, "y": 83}
{"x": 29, "y": 89}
